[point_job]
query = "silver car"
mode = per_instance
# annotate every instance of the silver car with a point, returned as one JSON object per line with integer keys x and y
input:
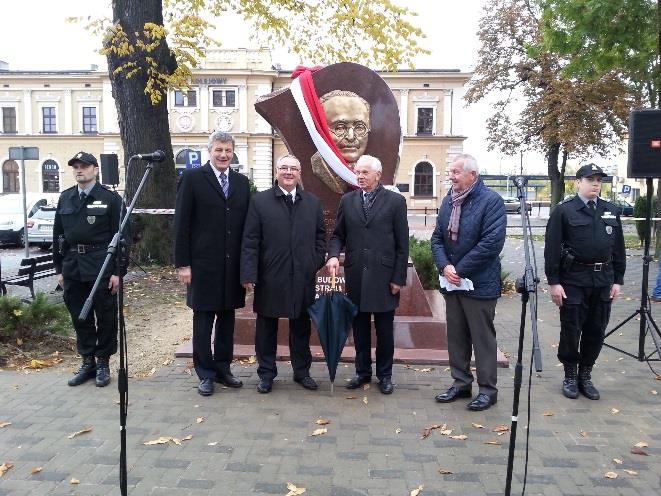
{"x": 40, "y": 226}
{"x": 512, "y": 204}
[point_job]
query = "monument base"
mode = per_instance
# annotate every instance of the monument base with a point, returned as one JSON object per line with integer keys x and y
{"x": 420, "y": 330}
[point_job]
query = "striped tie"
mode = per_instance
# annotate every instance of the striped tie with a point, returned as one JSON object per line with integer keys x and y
{"x": 224, "y": 184}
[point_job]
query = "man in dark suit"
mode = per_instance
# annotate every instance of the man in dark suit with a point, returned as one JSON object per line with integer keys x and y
{"x": 373, "y": 228}
{"x": 283, "y": 248}
{"x": 212, "y": 202}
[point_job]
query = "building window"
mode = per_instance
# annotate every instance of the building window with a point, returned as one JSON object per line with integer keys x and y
{"x": 10, "y": 177}
{"x": 49, "y": 120}
{"x": 185, "y": 98}
{"x": 425, "y": 121}
{"x": 224, "y": 98}
{"x": 8, "y": 120}
{"x": 50, "y": 173}
{"x": 89, "y": 120}
{"x": 423, "y": 182}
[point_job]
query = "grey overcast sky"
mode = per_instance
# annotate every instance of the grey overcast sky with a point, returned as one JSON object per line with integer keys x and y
{"x": 36, "y": 36}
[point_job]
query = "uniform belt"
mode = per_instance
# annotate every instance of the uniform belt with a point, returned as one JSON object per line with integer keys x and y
{"x": 596, "y": 266}
{"x": 86, "y": 248}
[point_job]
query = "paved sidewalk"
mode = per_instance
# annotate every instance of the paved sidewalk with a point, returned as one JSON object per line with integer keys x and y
{"x": 254, "y": 444}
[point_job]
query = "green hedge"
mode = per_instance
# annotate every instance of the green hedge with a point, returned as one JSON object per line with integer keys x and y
{"x": 420, "y": 253}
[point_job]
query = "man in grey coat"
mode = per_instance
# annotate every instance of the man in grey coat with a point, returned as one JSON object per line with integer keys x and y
{"x": 373, "y": 228}
{"x": 466, "y": 244}
{"x": 283, "y": 247}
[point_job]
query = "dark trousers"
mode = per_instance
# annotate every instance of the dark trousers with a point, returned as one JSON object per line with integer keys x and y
{"x": 584, "y": 315}
{"x": 266, "y": 343}
{"x": 385, "y": 343}
{"x": 207, "y": 365}
{"x": 470, "y": 329}
{"x": 97, "y": 334}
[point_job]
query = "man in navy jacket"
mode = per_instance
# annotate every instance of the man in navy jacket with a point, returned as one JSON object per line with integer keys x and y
{"x": 466, "y": 244}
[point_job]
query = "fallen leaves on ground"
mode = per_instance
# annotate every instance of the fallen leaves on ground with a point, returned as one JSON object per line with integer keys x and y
{"x": 548, "y": 414}
{"x": 84, "y": 430}
{"x": 641, "y": 444}
{"x": 74, "y": 481}
{"x": 4, "y": 424}
{"x": 501, "y": 428}
{"x": 445, "y": 471}
{"x": 398, "y": 430}
{"x": 638, "y": 451}
{"x": 199, "y": 420}
{"x": 213, "y": 443}
{"x": 319, "y": 432}
{"x": 4, "y": 467}
{"x": 36, "y": 470}
{"x": 365, "y": 400}
{"x": 460, "y": 437}
{"x": 477, "y": 426}
{"x": 168, "y": 439}
{"x": 611, "y": 475}
{"x": 582, "y": 433}
{"x": 416, "y": 491}
{"x": 495, "y": 443}
{"x": 350, "y": 398}
{"x": 366, "y": 387}
{"x": 322, "y": 421}
{"x": 43, "y": 363}
{"x": 617, "y": 461}
{"x": 247, "y": 361}
{"x": 630, "y": 472}
{"x": 614, "y": 411}
{"x": 293, "y": 490}
{"x": 427, "y": 430}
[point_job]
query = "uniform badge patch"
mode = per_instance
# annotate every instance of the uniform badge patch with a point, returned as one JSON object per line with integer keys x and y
{"x": 91, "y": 219}
{"x": 609, "y": 229}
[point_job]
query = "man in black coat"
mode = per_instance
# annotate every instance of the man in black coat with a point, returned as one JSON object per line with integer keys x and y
{"x": 86, "y": 220}
{"x": 372, "y": 227}
{"x": 212, "y": 202}
{"x": 283, "y": 248}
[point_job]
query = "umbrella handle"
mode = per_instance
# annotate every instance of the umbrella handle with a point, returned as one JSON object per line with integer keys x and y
{"x": 333, "y": 279}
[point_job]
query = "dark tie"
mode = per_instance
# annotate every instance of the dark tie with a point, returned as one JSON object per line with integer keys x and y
{"x": 83, "y": 195}
{"x": 224, "y": 184}
{"x": 367, "y": 202}
{"x": 592, "y": 206}
{"x": 289, "y": 201}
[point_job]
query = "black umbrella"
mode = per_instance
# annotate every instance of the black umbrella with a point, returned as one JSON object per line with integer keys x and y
{"x": 333, "y": 315}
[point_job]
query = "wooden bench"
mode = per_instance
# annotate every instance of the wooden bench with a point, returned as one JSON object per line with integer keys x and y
{"x": 31, "y": 268}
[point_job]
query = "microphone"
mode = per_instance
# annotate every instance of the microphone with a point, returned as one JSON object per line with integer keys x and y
{"x": 157, "y": 156}
{"x": 520, "y": 181}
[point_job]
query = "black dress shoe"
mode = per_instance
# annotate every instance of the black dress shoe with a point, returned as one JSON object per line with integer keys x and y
{"x": 307, "y": 382}
{"x": 229, "y": 380}
{"x": 453, "y": 393}
{"x": 483, "y": 401}
{"x": 86, "y": 372}
{"x": 358, "y": 380}
{"x": 264, "y": 386}
{"x": 205, "y": 388}
{"x": 385, "y": 385}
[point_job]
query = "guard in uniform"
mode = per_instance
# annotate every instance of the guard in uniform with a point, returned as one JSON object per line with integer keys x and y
{"x": 86, "y": 220}
{"x": 584, "y": 263}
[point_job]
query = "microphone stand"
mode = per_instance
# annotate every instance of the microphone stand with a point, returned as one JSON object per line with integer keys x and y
{"x": 122, "y": 373}
{"x": 527, "y": 286}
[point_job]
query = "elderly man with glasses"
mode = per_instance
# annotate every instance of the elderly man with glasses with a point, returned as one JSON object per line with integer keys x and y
{"x": 283, "y": 247}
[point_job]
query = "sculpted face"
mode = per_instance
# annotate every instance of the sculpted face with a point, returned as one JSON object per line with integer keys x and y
{"x": 349, "y": 120}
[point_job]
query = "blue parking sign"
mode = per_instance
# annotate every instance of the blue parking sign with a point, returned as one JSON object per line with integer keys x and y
{"x": 193, "y": 159}
{"x": 626, "y": 190}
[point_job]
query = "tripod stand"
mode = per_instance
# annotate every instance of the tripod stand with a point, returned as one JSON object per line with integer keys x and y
{"x": 644, "y": 310}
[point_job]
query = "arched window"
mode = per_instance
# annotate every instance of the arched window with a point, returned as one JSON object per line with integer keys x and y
{"x": 10, "y": 177}
{"x": 423, "y": 181}
{"x": 50, "y": 176}
{"x": 180, "y": 159}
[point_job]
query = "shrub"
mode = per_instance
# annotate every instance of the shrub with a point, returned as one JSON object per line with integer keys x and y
{"x": 640, "y": 210}
{"x": 33, "y": 320}
{"x": 420, "y": 253}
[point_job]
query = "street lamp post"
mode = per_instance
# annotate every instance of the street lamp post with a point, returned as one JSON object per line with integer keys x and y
{"x": 24, "y": 153}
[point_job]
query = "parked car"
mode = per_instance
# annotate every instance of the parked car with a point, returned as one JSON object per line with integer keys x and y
{"x": 512, "y": 204}
{"x": 40, "y": 226}
{"x": 625, "y": 208}
{"x": 11, "y": 213}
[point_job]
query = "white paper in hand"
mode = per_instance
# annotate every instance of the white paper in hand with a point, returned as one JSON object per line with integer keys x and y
{"x": 464, "y": 284}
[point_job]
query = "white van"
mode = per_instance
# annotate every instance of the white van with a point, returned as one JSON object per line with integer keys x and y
{"x": 11, "y": 213}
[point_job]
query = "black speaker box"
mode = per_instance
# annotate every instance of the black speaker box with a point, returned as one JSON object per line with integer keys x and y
{"x": 109, "y": 169}
{"x": 644, "y": 144}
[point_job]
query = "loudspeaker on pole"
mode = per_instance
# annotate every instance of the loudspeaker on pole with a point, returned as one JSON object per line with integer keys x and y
{"x": 109, "y": 169}
{"x": 644, "y": 144}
